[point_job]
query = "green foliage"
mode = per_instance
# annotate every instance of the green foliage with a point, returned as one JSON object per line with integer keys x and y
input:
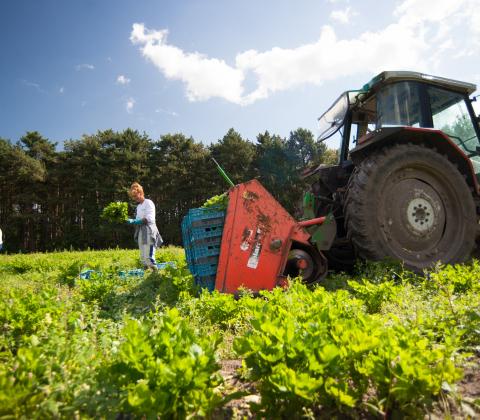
{"x": 462, "y": 130}
{"x": 174, "y": 282}
{"x": 236, "y": 156}
{"x": 280, "y": 162}
{"x": 447, "y": 300}
{"x": 390, "y": 342}
{"x": 98, "y": 288}
{"x": 293, "y": 350}
{"x": 217, "y": 202}
{"x": 310, "y": 349}
{"x": 374, "y": 295}
{"x": 25, "y": 264}
{"x": 116, "y": 212}
{"x": 181, "y": 176}
{"x": 408, "y": 370}
{"x": 456, "y": 278}
{"x": 52, "y": 200}
{"x": 163, "y": 369}
{"x": 27, "y": 312}
{"x": 70, "y": 274}
{"x": 217, "y": 309}
{"x": 50, "y": 376}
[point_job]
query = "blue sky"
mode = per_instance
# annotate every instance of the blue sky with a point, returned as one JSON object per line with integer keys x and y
{"x": 199, "y": 67}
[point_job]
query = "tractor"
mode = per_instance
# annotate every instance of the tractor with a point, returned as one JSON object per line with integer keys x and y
{"x": 406, "y": 187}
{"x": 406, "y": 184}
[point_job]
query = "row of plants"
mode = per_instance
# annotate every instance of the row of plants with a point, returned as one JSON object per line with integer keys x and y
{"x": 378, "y": 343}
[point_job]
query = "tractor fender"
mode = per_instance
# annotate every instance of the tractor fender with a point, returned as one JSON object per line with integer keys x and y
{"x": 430, "y": 137}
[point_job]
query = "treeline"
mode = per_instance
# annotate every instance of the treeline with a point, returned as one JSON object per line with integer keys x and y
{"x": 51, "y": 199}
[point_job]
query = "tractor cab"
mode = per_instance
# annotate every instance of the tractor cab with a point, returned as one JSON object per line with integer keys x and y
{"x": 397, "y": 99}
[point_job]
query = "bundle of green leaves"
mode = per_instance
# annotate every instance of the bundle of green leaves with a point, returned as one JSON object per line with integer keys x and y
{"x": 116, "y": 212}
{"x": 218, "y": 202}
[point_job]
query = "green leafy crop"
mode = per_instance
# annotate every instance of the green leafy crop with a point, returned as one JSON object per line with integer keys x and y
{"x": 386, "y": 343}
{"x": 320, "y": 349}
{"x": 116, "y": 212}
{"x": 219, "y": 202}
{"x": 163, "y": 369}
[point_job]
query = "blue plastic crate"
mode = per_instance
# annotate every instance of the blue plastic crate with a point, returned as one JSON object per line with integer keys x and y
{"x": 185, "y": 230}
{"x": 188, "y": 255}
{"x": 206, "y": 250}
{"x": 202, "y": 235}
{"x": 201, "y": 230}
{"x": 202, "y": 257}
{"x": 205, "y": 214}
{"x": 196, "y": 233}
{"x": 211, "y": 259}
{"x": 207, "y": 269}
{"x": 85, "y": 275}
{"x": 135, "y": 272}
{"x": 166, "y": 264}
{"x": 215, "y": 221}
{"x": 205, "y": 282}
{"x": 212, "y": 240}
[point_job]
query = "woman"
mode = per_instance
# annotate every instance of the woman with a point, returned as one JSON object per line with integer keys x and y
{"x": 146, "y": 232}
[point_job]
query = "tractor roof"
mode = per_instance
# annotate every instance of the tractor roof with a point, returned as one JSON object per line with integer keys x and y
{"x": 332, "y": 119}
{"x": 397, "y": 76}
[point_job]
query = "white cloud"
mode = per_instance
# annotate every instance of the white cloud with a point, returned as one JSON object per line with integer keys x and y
{"x": 342, "y": 16}
{"x": 424, "y": 33}
{"x": 84, "y": 66}
{"x": 130, "y": 104}
{"x": 61, "y": 90}
{"x": 123, "y": 80}
{"x": 204, "y": 77}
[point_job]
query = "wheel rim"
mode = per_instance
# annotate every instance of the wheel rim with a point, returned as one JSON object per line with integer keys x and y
{"x": 417, "y": 205}
{"x": 420, "y": 215}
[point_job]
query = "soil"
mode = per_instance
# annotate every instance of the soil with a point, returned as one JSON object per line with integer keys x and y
{"x": 238, "y": 408}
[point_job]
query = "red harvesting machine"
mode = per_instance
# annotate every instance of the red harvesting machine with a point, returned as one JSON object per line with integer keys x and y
{"x": 257, "y": 245}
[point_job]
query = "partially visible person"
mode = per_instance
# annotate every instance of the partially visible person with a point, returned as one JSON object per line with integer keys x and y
{"x": 1, "y": 240}
{"x": 146, "y": 232}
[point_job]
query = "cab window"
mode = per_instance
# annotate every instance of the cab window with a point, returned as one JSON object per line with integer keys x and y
{"x": 398, "y": 104}
{"x": 450, "y": 114}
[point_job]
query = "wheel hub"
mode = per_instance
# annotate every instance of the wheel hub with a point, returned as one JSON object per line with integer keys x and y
{"x": 420, "y": 215}
{"x": 300, "y": 263}
{"x": 414, "y": 217}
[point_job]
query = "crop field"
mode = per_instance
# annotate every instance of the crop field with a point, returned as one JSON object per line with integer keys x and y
{"x": 379, "y": 343}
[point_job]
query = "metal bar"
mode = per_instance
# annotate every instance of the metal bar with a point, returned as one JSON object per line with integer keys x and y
{"x": 223, "y": 173}
{"x": 311, "y": 222}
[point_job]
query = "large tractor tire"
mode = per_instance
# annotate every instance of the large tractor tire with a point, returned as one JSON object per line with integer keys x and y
{"x": 410, "y": 203}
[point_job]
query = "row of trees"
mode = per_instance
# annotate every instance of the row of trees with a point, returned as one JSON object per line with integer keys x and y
{"x": 52, "y": 199}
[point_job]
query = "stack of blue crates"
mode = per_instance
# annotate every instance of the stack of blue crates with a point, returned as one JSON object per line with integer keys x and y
{"x": 202, "y": 230}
